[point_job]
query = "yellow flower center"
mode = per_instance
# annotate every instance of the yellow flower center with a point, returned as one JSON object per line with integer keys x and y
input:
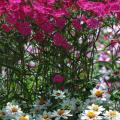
{"x": 112, "y": 113}
{"x": 99, "y": 93}
{"x": 23, "y": 118}
{"x": 61, "y": 112}
{"x": 14, "y": 109}
{"x": 95, "y": 107}
{"x": 91, "y": 114}
{"x": 45, "y": 116}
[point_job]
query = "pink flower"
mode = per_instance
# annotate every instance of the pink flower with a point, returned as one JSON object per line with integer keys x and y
{"x": 76, "y": 24}
{"x": 89, "y": 54}
{"x": 19, "y": 15}
{"x": 39, "y": 36}
{"x": 13, "y": 7}
{"x": 47, "y": 27}
{"x": 68, "y": 3}
{"x": 41, "y": 8}
{"x": 65, "y": 45}
{"x": 58, "y": 13}
{"x": 60, "y": 22}
{"x": 115, "y": 7}
{"x": 98, "y": 8}
{"x": 58, "y": 78}
{"x": 15, "y": 1}
{"x": 104, "y": 57}
{"x": 30, "y": 49}
{"x": 11, "y": 19}
{"x": 50, "y": 2}
{"x": 6, "y": 28}
{"x": 27, "y": 9}
{"x": 24, "y": 28}
{"x": 39, "y": 19}
{"x": 58, "y": 39}
{"x": 92, "y": 23}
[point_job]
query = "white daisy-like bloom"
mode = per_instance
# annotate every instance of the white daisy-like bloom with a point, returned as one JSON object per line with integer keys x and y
{"x": 12, "y": 110}
{"x": 96, "y": 108}
{"x": 69, "y": 104}
{"x": 23, "y": 117}
{"x": 42, "y": 101}
{"x": 112, "y": 115}
{"x": 44, "y": 116}
{"x": 41, "y": 104}
{"x": 99, "y": 94}
{"x": 61, "y": 113}
{"x": 58, "y": 94}
{"x": 96, "y": 92}
{"x": 90, "y": 115}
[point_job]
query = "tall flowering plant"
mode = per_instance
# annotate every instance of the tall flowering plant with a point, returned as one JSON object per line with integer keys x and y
{"x": 51, "y": 44}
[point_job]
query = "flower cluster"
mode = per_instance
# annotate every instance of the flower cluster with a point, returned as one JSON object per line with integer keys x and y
{"x": 49, "y": 49}
{"x": 39, "y": 111}
{"x": 99, "y": 106}
{"x": 13, "y": 112}
{"x": 96, "y": 112}
{"x": 59, "y": 105}
{"x": 52, "y": 15}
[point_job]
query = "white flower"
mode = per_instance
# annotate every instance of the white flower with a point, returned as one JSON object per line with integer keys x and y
{"x": 91, "y": 115}
{"x": 100, "y": 94}
{"x": 69, "y": 104}
{"x": 112, "y": 115}
{"x": 41, "y": 104}
{"x": 105, "y": 71}
{"x": 44, "y": 116}
{"x": 58, "y": 94}
{"x": 23, "y": 117}
{"x": 61, "y": 113}
{"x": 12, "y": 110}
{"x": 96, "y": 108}
{"x": 97, "y": 92}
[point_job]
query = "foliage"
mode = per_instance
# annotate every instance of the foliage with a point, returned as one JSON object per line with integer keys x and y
{"x": 55, "y": 44}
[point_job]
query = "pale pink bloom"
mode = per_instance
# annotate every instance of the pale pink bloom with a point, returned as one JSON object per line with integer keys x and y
{"x": 32, "y": 64}
{"x": 104, "y": 57}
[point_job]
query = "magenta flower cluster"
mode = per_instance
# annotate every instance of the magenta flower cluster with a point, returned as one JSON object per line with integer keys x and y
{"x": 51, "y": 16}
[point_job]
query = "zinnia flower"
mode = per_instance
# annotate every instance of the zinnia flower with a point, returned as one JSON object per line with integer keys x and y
{"x": 58, "y": 78}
